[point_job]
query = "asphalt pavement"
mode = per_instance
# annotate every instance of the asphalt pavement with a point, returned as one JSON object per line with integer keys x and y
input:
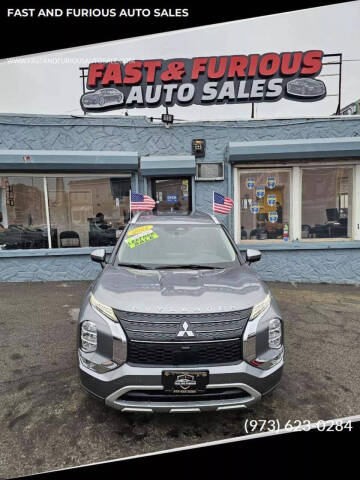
{"x": 47, "y": 422}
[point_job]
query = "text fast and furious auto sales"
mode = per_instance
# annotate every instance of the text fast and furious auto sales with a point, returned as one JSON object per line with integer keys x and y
{"x": 205, "y": 80}
{"x": 97, "y": 12}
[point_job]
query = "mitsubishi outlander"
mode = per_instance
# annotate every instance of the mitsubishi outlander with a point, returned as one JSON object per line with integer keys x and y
{"x": 178, "y": 321}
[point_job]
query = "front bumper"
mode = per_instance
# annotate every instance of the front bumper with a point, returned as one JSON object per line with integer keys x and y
{"x": 113, "y": 386}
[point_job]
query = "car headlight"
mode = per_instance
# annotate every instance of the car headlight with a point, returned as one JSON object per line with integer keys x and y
{"x": 260, "y": 307}
{"x": 88, "y": 336}
{"x": 275, "y": 333}
{"x": 104, "y": 309}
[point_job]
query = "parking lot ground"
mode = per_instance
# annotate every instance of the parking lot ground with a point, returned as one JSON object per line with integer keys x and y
{"x": 47, "y": 422}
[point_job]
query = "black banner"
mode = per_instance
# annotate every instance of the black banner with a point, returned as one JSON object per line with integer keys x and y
{"x": 26, "y": 30}
{"x": 326, "y": 449}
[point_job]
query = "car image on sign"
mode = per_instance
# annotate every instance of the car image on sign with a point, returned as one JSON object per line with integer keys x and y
{"x": 306, "y": 87}
{"x": 101, "y": 98}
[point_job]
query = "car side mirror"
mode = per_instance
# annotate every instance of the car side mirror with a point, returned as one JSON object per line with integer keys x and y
{"x": 253, "y": 255}
{"x": 99, "y": 256}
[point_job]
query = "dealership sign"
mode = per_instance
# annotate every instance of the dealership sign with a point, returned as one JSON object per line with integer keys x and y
{"x": 204, "y": 81}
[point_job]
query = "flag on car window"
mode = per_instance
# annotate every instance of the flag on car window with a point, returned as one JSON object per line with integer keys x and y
{"x": 222, "y": 204}
{"x": 138, "y": 201}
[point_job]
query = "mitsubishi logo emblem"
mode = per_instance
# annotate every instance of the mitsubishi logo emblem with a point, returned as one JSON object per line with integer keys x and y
{"x": 184, "y": 330}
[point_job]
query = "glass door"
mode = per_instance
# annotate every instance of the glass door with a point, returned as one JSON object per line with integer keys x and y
{"x": 172, "y": 195}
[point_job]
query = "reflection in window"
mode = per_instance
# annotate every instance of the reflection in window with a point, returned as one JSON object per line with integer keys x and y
{"x": 88, "y": 211}
{"x": 84, "y": 211}
{"x": 326, "y": 202}
{"x": 265, "y": 205}
{"x": 22, "y": 213}
{"x": 171, "y": 195}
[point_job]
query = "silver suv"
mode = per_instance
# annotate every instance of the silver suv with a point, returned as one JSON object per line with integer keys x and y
{"x": 178, "y": 321}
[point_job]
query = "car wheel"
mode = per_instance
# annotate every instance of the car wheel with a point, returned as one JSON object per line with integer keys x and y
{"x": 101, "y": 101}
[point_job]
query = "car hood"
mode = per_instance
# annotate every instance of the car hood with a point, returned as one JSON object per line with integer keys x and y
{"x": 179, "y": 291}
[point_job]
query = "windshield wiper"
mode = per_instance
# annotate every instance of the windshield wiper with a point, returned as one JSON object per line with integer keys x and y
{"x": 140, "y": 266}
{"x": 191, "y": 266}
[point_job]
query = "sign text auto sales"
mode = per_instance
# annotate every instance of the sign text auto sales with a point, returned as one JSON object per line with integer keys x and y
{"x": 204, "y": 80}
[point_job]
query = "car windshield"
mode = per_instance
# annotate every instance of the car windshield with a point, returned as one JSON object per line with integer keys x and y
{"x": 176, "y": 245}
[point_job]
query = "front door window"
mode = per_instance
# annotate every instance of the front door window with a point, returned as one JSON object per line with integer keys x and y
{"x": 172, "y": 195}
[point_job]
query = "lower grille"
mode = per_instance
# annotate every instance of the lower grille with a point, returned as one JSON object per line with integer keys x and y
{"x": 165, "y": 354}
{"x": 213, "y": 394}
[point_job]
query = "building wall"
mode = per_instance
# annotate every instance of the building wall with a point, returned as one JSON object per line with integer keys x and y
{"x": 32, "y": 266}
{"x": 313, "y": 266}
{"x": 333, "y": 264}
{"x": 340, "y": 265}
{"x": 139, "y": 134}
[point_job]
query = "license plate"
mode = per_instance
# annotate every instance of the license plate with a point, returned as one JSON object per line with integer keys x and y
{"x": 185, "y": 382}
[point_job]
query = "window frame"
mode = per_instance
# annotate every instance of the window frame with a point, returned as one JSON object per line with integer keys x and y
{"x": 296, "y": 168}
{"x": 198, "y": 178}
{"x": 65, "y": 174}
{"x": 237, "y": 211}
{"x": 353, "y": 206}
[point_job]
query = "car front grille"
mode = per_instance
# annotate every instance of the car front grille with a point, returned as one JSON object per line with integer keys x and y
{"x": 166, "y": 327}
{"x": 179, "y": 354}
{"x": 207, "y": 339}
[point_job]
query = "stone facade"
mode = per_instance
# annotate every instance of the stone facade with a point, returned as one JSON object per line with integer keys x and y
{"x": 333, "y": 264}
{"x": 312, "y": 266}
{"x": 48, "y": 268}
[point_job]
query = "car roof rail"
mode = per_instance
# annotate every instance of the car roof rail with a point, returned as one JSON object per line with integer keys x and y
{"x": 137, "y": 215}
{"x": 213, "y": 217}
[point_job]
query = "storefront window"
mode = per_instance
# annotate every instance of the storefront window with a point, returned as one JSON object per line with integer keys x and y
{"x": 326, "y": 202}
{"x": 83, "y": 211}
{"x": 88, "y": 211}
{"x": 22, "y": 213}
{"x": 265, "y": 205}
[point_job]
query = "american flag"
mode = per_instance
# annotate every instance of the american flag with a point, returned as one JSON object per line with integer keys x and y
{"x": 222, "y": 204}
{"x": 138, "y": 201}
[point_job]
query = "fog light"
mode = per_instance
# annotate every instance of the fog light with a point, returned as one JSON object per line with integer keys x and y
{"x": 97, "y": 367}
{"x": 268, "y": 362}
{"x": 275, "y": 333}
{"x": 88, "y": 336}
